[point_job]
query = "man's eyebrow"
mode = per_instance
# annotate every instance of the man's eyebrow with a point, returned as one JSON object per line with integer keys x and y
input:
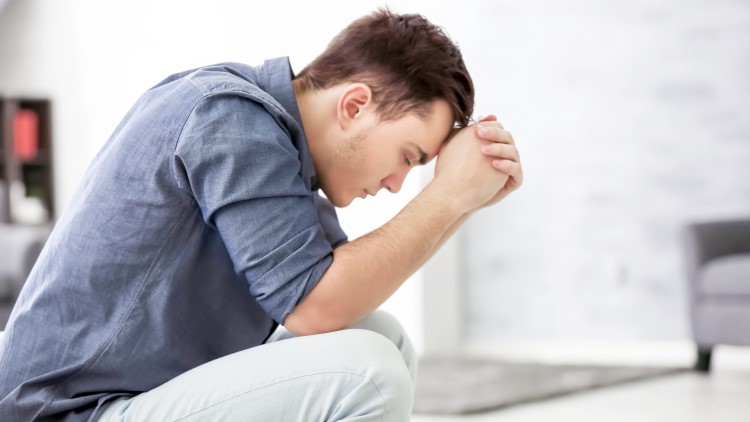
{"x": 422, "y": 154}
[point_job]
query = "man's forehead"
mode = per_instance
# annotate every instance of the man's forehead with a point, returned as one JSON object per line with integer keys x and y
{"x": 426, "y": 154}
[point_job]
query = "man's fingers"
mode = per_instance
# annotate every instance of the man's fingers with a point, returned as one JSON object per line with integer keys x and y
{"x": 499, "y": 150}
{"x": 489, "y": 120}
{"x": 495, "y": 133}
{"x": 511, "y": 168}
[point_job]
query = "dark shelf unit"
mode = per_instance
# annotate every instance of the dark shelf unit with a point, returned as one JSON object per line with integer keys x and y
{"x": 37, "y": 173}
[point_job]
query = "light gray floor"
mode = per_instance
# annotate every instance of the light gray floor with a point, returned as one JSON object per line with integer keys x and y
{"x": 723, "y": 396}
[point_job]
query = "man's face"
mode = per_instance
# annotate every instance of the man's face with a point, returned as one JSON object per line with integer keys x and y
{"x": 379, "y": 154}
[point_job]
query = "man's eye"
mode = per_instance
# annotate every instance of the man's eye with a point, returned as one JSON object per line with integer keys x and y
{"x": 406, "y": 160}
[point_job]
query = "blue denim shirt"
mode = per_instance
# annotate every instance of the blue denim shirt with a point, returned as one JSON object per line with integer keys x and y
{"x": 196, "y": 229}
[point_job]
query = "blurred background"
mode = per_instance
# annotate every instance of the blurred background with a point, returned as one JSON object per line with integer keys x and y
{"x": 632, "y": 119}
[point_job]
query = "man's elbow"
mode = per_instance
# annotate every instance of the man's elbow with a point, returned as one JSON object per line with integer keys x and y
{"x": 323, "y": 309}
{"x": 306, "y": 320}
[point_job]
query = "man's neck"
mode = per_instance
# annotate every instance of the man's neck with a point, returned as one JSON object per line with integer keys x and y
{"x": 315, "y": 109}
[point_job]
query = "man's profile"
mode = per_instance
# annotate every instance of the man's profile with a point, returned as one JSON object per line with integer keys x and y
{"x": 198, "y": 273}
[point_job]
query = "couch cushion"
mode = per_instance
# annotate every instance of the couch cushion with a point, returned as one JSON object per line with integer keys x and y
{"x": 728, "y": 275}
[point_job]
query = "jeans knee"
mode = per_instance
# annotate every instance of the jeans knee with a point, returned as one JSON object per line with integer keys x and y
{"x": 387, "y": 369}
{"x": 386, "y": 324}
{"x": 382, "y": 322}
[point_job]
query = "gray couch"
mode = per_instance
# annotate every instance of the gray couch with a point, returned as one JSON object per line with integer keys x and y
{"x": 718, "y": 265}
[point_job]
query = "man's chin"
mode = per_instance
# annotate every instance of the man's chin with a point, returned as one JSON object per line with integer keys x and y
{"x": 342, "y": 204}
{"x": 336, "y": 200}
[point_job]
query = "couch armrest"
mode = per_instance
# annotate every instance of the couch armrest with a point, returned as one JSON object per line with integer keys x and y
{"x": 705, "y": 241}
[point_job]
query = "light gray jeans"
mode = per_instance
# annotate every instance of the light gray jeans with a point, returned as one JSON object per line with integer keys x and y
{"x": 364, "y": 373}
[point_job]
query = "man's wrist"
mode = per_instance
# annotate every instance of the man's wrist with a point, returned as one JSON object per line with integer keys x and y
{"x": 448, "y": 201}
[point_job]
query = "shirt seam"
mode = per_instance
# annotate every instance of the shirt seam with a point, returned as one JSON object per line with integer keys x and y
{"x": 210, "y": 93}
{"x": 259, "y": 94}
{"x": 178, "y": 222}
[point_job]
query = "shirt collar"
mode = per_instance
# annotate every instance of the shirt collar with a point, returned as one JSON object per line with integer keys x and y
{"x": 276, "y": 79}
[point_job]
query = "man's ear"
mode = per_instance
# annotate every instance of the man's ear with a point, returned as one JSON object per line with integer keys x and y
{"x": 353, "y": 101}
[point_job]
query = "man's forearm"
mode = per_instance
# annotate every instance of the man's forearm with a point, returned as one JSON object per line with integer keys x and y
{"x": 368, "y": 270}
{"x": 448, "y": 233}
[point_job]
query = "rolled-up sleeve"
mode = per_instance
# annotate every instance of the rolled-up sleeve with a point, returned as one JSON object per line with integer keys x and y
{"x": 243, "y": 170}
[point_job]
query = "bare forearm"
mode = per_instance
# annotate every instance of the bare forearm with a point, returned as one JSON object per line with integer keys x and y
{"x": 368, "y": 270}
{"x": 448, "y": 233}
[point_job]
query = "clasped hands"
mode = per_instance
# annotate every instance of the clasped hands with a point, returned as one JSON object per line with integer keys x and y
{"x": 480, "y": 164}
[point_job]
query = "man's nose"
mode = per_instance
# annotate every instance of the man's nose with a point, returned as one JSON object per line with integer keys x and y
{"x": 394, "y": 182}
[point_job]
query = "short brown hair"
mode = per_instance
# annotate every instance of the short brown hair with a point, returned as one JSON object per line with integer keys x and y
{"x": 405, "y": 60}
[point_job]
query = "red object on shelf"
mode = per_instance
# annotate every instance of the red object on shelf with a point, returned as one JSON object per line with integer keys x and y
{"x": 26, "y": 134}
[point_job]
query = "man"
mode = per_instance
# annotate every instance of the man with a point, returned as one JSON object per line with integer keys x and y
{"x": 208, "y": 190}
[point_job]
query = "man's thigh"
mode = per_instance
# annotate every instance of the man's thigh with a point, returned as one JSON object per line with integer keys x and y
{"x": 333, "y": 376}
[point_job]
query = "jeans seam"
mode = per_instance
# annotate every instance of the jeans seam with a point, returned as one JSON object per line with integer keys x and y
{"x": 385, "y": 404}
